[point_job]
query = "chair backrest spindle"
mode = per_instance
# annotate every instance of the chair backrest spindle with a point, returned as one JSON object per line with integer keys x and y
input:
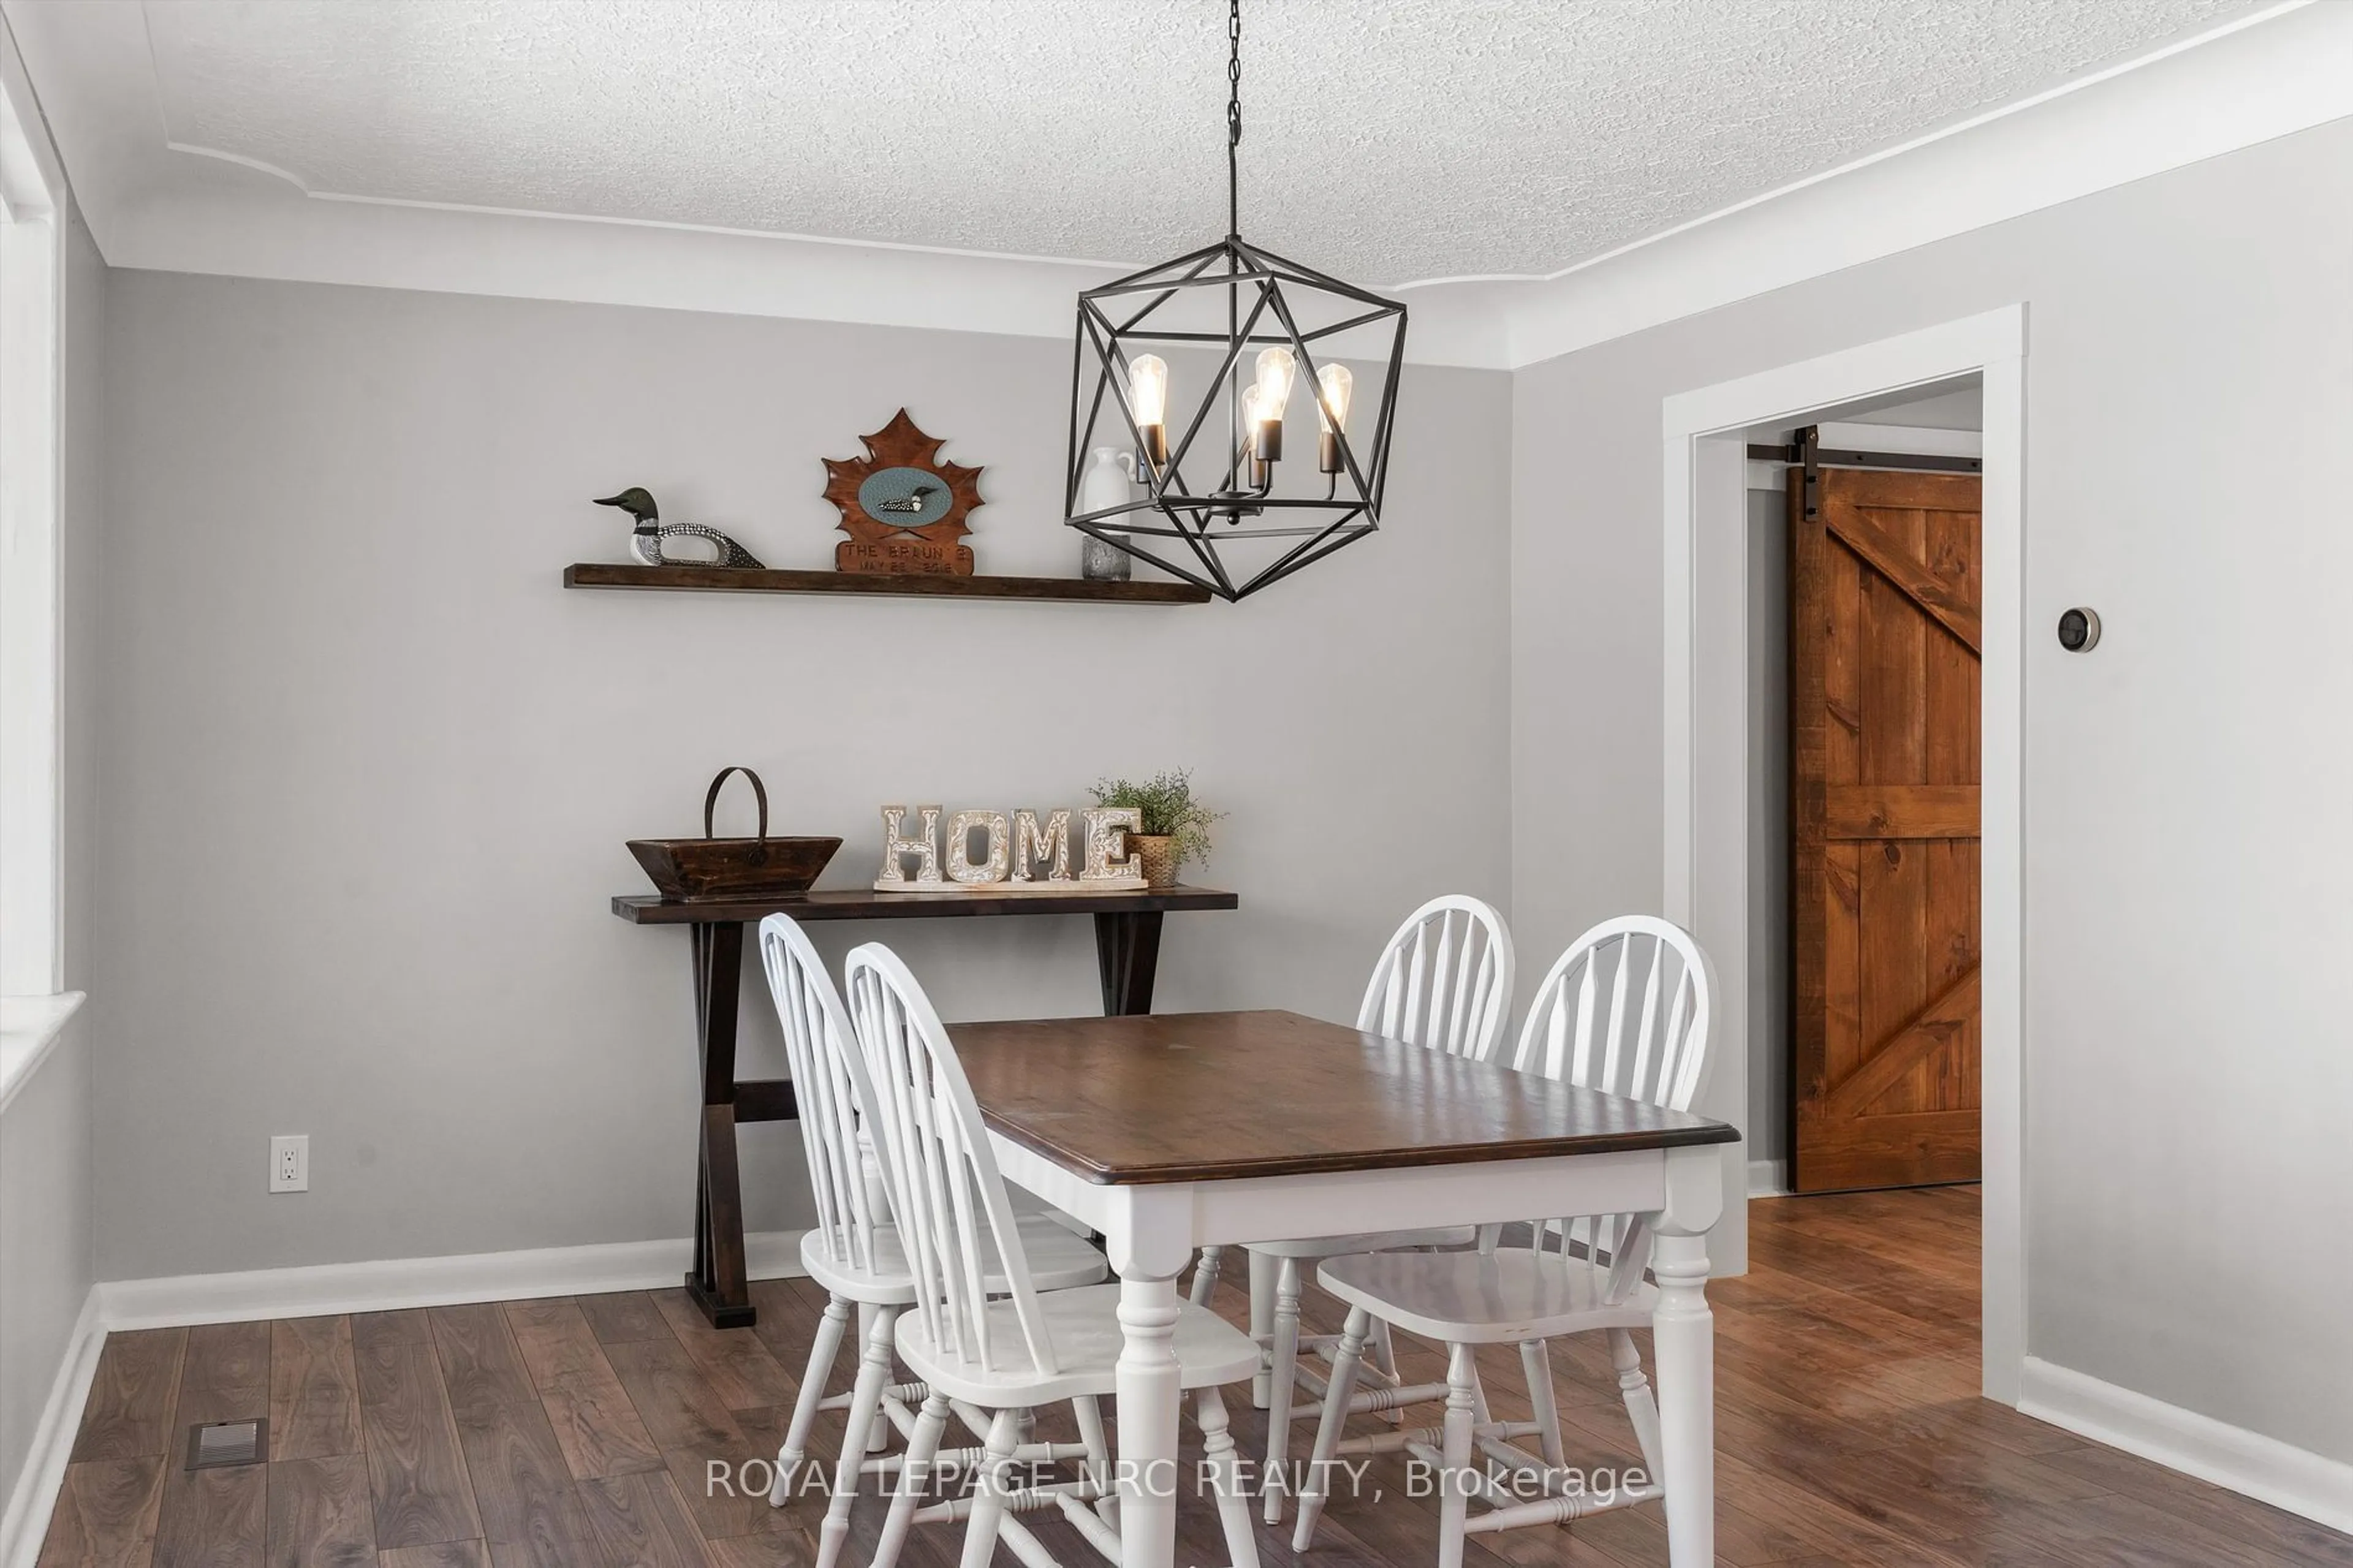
{"x": 1444, "y": 981}
{"x": 1630, "y": 1047}
{"x": 954, "y": 1218}
{"x": 830, "y": 1085}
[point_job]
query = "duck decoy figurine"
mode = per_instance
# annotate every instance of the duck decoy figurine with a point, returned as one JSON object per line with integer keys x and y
{"x": 646, "y": 539}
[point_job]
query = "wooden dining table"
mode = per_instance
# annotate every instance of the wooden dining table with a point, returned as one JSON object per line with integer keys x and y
{"x": 1171, "y": 1132}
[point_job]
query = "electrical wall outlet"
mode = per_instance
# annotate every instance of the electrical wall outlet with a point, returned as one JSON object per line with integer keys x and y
{"x": 289, "y": 1164}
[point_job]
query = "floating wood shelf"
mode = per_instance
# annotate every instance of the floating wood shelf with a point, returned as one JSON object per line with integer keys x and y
{"x": 740, "y": 579}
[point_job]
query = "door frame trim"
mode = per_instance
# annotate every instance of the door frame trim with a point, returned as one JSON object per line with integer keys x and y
{"x": 1708, "y": 747}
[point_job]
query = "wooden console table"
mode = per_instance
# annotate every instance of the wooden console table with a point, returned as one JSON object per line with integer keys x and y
{"x": 1127, "y": 953}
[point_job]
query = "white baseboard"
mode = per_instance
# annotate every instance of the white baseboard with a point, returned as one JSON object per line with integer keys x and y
{"x": 2264, "y": 1468}
{"x": 377, "y": 1287}
{"x": 1768, "y": 1178}
{"x": 35, "y": 1495}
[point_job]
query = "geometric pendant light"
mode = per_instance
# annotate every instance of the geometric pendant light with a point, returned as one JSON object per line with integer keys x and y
{"x": 1259, "y": 337}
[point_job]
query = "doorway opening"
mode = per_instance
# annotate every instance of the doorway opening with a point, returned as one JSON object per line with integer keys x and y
{"x": 1710, "y": 738}
{"x": 1866, "y": 601}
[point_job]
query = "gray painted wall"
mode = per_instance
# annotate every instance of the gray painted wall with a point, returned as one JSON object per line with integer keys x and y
{"x": 368, "y": 768}
{"x": 46, "y": 1250}
{"x": 1963, "y": 408}
{"x": 2189, "y": 397}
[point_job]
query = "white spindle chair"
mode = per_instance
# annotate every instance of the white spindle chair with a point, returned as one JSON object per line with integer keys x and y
{"x": 1012, "y": 1354}
{"x": 1444, "y": 981}
{"x": 855, "y": 1251}
{"x": 1625, "y": 1010}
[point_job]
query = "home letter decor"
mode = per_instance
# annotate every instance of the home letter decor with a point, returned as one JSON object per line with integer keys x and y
{"x": 1017, "y": 847}
{"x": 960, "y": 866}
{"x": 927, "y": 871}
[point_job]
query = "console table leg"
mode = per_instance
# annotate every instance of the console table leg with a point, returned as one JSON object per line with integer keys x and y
{"x": 716, "y": 1284}
{"x": 1128, "y": 952}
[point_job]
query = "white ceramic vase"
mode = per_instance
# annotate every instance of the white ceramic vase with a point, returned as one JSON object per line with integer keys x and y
{"x": 1109, "y": 481}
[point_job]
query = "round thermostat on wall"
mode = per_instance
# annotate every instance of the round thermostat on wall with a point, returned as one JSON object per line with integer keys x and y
{"x": 2079, "y": 629}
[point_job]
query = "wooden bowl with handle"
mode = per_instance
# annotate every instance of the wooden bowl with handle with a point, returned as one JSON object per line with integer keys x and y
{"x": 711, "y": 868}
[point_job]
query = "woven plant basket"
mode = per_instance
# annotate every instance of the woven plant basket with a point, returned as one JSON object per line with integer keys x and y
{"x": 1156, "y": 857}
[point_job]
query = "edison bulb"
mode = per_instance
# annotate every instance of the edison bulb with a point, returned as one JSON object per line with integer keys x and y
{"x": 1337, "y": 384}
{"x": 1256, "y": 410}
{"x": 1261, "y": 422}
{"x": 1277, "y": 369}
{"x": 1148, "y": 389}
{"x": 1332, "y": 411}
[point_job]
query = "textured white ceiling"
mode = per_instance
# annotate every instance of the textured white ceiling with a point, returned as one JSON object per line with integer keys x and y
{"x": 1395, "y": 142}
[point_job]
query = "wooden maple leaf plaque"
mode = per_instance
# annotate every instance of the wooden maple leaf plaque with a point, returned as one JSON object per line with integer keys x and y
{"x": 902, "y": 508}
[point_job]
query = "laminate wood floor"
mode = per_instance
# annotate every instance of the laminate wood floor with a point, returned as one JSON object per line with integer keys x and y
{"x": 577, "y": 1433}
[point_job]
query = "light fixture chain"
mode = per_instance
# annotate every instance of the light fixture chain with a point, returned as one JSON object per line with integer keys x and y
{"x": 1233, "y": 117}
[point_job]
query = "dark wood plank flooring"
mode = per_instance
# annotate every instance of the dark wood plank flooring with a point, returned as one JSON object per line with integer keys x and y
{"x": 575, "y": 1433}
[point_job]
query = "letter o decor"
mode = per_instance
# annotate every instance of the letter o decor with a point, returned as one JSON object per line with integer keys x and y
{"x": 961, "y": 868}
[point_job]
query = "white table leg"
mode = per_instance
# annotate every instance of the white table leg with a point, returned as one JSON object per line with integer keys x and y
{"x": 1682, "y": 1333}
{"x": 1150, "y": 1392}
{"x": 1262, "y": 1272}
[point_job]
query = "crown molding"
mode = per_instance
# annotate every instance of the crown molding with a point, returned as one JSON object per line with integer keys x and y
{"x": 31, "y": 175}
{"x": 266, "y": 233}
{"x": 2269, "y": 74}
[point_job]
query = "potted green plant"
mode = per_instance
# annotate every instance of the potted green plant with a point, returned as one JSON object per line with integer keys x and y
{"x": 1176, "y": 826}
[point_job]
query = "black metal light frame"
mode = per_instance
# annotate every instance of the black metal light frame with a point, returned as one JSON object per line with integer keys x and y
{"x": 1117, "y": 319}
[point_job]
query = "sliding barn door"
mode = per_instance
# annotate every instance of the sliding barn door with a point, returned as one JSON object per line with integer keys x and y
{"x": 1885, "y": 598}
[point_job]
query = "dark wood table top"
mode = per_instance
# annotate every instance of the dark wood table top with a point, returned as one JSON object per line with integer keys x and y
{"x": 860, "y": 904}
{"x": 1191, "y": 1097}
